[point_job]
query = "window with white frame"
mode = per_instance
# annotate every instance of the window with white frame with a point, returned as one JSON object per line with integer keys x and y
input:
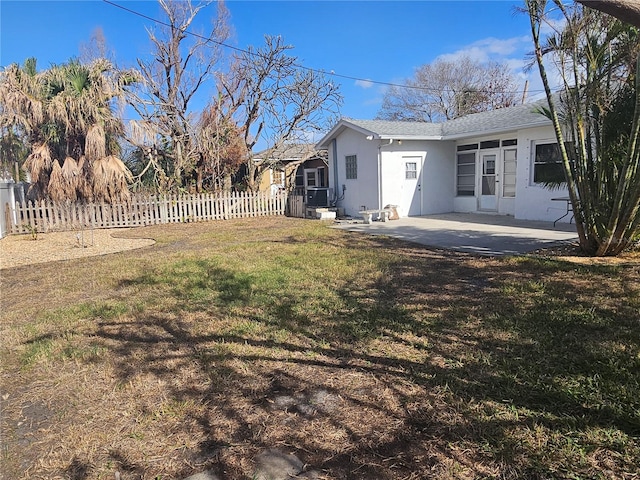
{"x": 466, "y": 174}
{"x": 509, "y": 173}
{"x": 311, "y": 178}
{"x": 411, "y": 170}
{"x": 547, "y": 163}
{"x": 351, "y": 164}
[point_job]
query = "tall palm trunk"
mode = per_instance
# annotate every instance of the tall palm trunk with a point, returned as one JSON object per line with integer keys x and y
{"x": 534, "y": 16}
{"x": 603, "y": 183}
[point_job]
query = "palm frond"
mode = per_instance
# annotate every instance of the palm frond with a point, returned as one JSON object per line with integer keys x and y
{"x": 111, "y": 179}
{"x": 95, "y": 143}
{"x": 59, "y": 188}
{"x": 85, "y": 180}
{"x": 38, "y": 162}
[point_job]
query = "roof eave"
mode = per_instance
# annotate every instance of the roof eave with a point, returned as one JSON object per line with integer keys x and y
{"x": 339, "y": 128}
{"x": 408, "y": 137}
{"x": 495, "y": 131}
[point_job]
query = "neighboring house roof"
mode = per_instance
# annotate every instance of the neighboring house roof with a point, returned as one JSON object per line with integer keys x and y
{"x": 290, "y": 153}
{"x": 483, "y": 123}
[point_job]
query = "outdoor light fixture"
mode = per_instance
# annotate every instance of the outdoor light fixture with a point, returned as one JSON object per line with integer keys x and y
{"x": 369, "y": 137}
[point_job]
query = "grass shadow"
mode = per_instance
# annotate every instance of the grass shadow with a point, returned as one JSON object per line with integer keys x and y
{"x": 437, "y": 364}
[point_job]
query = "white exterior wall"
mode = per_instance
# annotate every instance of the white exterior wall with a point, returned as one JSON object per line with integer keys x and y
{"x": 435, "y": 164}
{"x": 354, "y": 194}
{"x": 393, "y": 173}
{"x": 439, "y": 166}
{"x": 437, "y": 176}
{"x": 533, "y": 202}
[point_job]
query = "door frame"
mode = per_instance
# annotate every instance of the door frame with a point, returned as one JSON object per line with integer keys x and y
{"x": 419, "y": 161}
{"x": 497, "y": 154}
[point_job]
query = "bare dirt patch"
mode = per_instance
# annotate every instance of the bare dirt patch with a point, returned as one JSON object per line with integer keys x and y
{"x": 570, "y": 252}
{"x": 20, "y": 250}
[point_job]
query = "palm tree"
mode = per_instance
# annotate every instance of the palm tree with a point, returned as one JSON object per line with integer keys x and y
{"x": 12, "y": 152}
{"x": 67, "y": 116}
{"x": 596, "y": 120}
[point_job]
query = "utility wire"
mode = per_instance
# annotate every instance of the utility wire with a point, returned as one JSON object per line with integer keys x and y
{"x": 310, "y": 69}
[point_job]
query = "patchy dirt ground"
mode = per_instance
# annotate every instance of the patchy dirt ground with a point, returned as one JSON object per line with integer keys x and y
{"x": 20, "y": 250}
{"x": 570, "y": 252}
{"x": 368, "y": 358}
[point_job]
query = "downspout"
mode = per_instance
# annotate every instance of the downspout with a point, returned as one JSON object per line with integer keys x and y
{"x": 335, "y": 171}
{"x": 380, "y": 171}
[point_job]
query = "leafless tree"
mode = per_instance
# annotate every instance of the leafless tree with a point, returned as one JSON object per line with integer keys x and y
{"x": 182, "y": 63}
{"x": 221, "y": 146}
{"x": 270, "y": 96}
{"x": 97, "y": 47}
{"x": 449, "y": 89}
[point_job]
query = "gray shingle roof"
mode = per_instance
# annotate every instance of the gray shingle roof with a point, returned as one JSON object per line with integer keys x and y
{"x": 399, "y": 129}
{"x": 492, "y": 121}
{"x": 499, "y": 120}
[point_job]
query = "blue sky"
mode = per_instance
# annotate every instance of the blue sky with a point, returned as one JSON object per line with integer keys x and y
{"x": 383, "y": 41}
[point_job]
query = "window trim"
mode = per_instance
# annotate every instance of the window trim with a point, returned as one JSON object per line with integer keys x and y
{"x": 351, "y": 173}
{"x": 458, "y": 175}
{"x": 533, "y": 163}
{"x": 413, "y": 171}
{"x": 504, "y": 173}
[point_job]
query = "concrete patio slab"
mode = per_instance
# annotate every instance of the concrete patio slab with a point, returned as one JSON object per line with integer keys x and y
{"x": 482, "y": 234}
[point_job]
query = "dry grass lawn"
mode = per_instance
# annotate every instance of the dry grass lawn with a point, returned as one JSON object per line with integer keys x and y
{"x": 367, "y": 357}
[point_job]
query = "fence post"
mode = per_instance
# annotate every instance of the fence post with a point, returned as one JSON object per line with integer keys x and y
{"x": 7, "y": 217}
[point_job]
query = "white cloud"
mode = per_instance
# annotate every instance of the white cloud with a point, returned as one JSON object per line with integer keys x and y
{"x": 364, "y": 83}
{"x": 487, "y": 49}
{"x": 511, "y": 52}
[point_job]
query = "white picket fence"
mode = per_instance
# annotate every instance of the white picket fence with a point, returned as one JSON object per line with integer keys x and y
{"x": 46, "y": 216}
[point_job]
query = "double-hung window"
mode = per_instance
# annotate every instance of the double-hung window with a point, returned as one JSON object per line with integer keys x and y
{"x": 547, "y": 163}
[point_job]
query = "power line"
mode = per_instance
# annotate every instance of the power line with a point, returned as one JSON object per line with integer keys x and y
{"x": 304, "y": 67}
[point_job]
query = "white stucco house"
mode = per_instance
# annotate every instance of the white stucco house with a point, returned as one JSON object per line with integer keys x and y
{"x": 491, "y": 162}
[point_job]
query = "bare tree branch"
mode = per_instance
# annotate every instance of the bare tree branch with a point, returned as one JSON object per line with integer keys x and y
{"x": 449, "y": 89}
{"x": 182, "y": 65}
{"x": 269, "y": 96}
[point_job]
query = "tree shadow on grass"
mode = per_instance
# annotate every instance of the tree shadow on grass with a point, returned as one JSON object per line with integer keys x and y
{"x": 472, "y": 369}
{"x": 78, "y": 470}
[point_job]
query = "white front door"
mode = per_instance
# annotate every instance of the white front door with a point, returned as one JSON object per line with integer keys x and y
{"x": 412, "y": 185}
{"x": 488, "y": 199}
